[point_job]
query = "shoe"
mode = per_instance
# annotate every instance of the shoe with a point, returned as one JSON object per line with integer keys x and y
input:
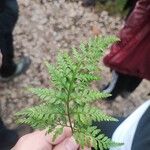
{"x": 131, "y": 84}
{"x": 88, "y": 3}
{"x": 121, "y": 84}
{"x": 21, "y": 67}
{"x": 115, "y": 87}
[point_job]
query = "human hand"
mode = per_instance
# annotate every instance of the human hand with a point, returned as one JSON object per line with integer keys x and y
{"x": 40, "y": 141}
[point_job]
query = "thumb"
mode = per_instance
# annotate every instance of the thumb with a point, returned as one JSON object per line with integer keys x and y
{"x": 67, "y": 144}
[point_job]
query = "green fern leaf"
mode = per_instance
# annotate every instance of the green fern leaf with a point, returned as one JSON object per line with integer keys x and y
{"x": 69, "y": 100}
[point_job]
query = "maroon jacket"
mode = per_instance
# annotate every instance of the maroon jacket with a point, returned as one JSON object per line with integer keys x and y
{"x": 132, "y": 54}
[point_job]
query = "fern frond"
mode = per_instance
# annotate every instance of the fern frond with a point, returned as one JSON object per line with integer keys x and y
{"x": 88, "y": 96}
{"x": 42, "y": 116}
{"x": 44, "y": 93}
{"x": 97, "y": 115}
{"x": 69, "y": 100}
{"x": 87, "y": 77}
{"x": 93, "y": 136}
{"x": 92, "y": 114}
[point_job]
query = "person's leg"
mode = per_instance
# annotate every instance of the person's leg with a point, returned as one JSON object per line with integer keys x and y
{"x": 8, "y": 19}
{"x": 8, "y": 66}
{"x": 2, "y": 5}
{"x": 8, "y": 138}
{"x": 141, "y": 139}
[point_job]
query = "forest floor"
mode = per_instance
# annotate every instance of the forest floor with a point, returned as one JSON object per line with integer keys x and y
{"x": 42, "y": 30}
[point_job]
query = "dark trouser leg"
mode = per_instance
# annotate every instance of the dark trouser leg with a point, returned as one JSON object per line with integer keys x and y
{"x": 8, "y": 18}
{"x": 8, "y": 66}
{"x": 2, "y": 126}
{"x": 2, "y": 5}
{"x": 141, "y": 140}
{"x": 8, "y": 138}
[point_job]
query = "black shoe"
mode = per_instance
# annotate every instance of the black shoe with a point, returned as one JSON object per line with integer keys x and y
{"x": 21, "y": 67}
{"x": 115, "y": 87}
{"x": 88, "y": 3}
{"x": 122, "y": 85}
{"x": 132, "y": 83}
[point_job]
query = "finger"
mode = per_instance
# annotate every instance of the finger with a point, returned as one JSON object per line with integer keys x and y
{"x": 66, "y": 133}
{"x": 67, "y": 144}
{"x": 35, "y": 140}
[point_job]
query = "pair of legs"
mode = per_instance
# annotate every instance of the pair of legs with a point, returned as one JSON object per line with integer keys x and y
{"x": 8, "y": 18}
{"x": 9, "y": 69}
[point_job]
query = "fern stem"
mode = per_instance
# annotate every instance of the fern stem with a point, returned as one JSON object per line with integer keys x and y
{"x": 69, "y": 117}
{"x": 68, "y": 101}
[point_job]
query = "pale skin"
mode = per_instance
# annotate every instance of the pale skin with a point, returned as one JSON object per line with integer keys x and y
{"x": 38, "y": 140}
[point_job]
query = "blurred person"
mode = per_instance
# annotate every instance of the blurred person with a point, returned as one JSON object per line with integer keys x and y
{"x": 129, "y": 59}
{"x": 9, "y": 69}
{"x": 8, "y": 18}
{"x": 133, "y": 131}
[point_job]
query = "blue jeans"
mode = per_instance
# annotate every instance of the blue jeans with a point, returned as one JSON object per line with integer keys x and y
{"x": 8, "y": 18}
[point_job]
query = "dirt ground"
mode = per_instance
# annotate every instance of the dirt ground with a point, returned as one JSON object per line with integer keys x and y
{"x": 42, "y": 30}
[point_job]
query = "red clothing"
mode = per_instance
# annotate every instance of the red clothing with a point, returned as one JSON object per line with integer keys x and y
{"x": 131, "y": 55}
